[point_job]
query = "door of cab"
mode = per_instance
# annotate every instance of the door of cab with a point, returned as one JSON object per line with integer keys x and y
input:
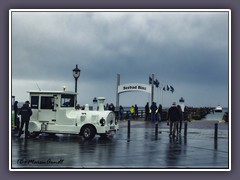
{"x": 47, "y": 109}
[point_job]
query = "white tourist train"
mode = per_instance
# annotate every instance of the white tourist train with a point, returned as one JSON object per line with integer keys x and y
{"x": 55, "y": 112}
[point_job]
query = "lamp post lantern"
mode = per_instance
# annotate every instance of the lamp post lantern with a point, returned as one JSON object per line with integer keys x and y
{"x": 76, "y": 74}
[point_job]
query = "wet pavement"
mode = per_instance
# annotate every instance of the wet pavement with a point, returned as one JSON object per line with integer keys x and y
{"x": 144, "y": 150}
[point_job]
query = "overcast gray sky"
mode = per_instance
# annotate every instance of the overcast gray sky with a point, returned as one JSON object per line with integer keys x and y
{"x": 188, "y": 50}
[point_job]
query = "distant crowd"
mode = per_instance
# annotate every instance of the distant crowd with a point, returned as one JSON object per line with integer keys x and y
{"x": 153, "y": 113}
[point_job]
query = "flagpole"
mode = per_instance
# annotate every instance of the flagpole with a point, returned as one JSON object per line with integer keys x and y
{"x": 162, "y": 96}
{"x": 163, "y": 89}
{"x": 117, "y": 94}
{"x": 152, "y": 93}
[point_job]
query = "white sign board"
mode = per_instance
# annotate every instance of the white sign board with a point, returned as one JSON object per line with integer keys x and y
{"x": 134, "y": 87}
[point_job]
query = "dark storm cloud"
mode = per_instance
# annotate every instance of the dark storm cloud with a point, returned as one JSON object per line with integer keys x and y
{"x": 187, "y": 48}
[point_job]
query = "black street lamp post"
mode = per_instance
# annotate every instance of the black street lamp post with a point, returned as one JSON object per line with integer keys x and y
{"x": 76, "y": 74}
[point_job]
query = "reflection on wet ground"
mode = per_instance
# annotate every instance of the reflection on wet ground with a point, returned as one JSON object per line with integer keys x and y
{"x": 142, "y": 150}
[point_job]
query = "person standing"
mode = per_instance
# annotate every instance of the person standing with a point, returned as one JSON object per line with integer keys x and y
{"x": 106, "y": 107}
{"x": 173, "y": 118}
{"x": 153, "y": 109}
{"x": 147, "y": 112}
{"x": 136, "y": 111}
{"x": 121, "y": 112}
{"x": 16, "y": 119}
{"x": 132, "y": 112}
{"x": 111, "y": 107}
{"x": 25, "y": 113}
{"x": 180, "y": 119}
{"x": 159, "y": 113}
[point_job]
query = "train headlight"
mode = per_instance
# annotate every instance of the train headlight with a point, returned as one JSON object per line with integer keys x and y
{"x": 102, "y": 121}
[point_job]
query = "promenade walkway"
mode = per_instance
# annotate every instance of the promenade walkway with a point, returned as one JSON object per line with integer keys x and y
{"x": 142, "y": 151}
{"x": 198, "y": 150}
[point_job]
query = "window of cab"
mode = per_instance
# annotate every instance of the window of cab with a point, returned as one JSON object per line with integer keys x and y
{"x": 34, "y": 102}
{"x": 67, "y": 100}
{"x": 47, "y": 102}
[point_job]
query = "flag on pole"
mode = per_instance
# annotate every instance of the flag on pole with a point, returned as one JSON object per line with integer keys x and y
{"x": 156, "y": 83}
{"x": 168, "y": 88}
{"x": 150, "y": 80}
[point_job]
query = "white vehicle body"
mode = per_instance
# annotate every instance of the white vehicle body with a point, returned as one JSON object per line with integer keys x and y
{"x": 55, "y": 112}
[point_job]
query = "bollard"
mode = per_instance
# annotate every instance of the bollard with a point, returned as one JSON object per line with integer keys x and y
{"x": 177, "y": 127}
{"x": 215, "y": 145}
{"x": 129, "y": 124}
{"x": 216, "y": 132}
{"x": 185, "y": 129}
{"x": 156, "y": 130}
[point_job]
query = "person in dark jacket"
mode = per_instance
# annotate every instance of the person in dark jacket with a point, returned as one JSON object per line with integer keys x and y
{"x": 16, "y": 119}
{"x": 25, "y": 113}
{"x": 153, "y": 109}
{"x": 159, "y": 113}
{"x": 136, "y": 111}
{"x": 111, "y": 107}
{"x": 180, "y": 120}
{"x": 173, "y": 118}
{"x": 121, "y": 113}
{"x": 147, "y": 112}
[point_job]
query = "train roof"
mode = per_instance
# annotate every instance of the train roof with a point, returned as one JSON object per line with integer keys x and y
{"x": 52, "y": 92}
